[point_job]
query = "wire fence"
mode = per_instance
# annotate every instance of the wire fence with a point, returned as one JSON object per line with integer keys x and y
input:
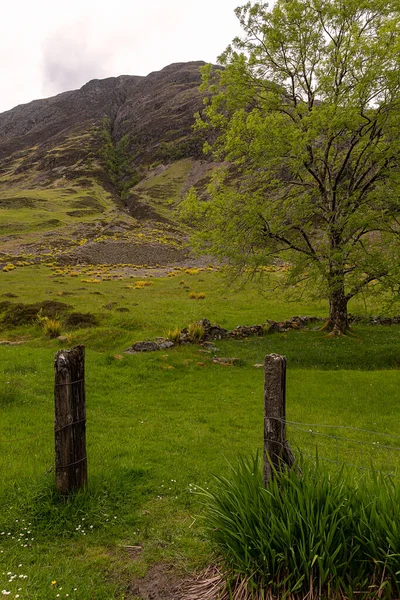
{"x": 357, "y": 448}
{"x": 362, "y": 449}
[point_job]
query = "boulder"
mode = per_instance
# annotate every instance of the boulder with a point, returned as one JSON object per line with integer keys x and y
{"x": 143, "y": 347}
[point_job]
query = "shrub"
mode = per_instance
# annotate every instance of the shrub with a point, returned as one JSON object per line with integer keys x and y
{"x": 192, "y": 296}
{"x": 51, "y": 327}
{"x": 8, "y": 267}
{"x": 174, "y": 335}
{"x": 312, "y": 535}
{"x": 193, "y": 271}
{"x": 266, "y": 328}
{"x": 195, "y": 332}
{"x": 142, "y": 284}
{"x": 201, "y": 296}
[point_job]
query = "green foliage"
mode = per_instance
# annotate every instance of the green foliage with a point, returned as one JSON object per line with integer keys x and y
{"x": 117, "y": 160}
{"x": 306, "y": 114}
{"x": 174, "y": 335}
{"x": 313, "y": 533}
{"x": 195, "y": 332}
{"x": 52, "y": 328}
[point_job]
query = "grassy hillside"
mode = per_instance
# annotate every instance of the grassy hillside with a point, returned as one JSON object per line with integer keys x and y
{"x": 159, "y": 425}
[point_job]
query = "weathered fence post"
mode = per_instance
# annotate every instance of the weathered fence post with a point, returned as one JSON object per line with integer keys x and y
{"x": 276, "y": 449}
{"x": 70, "y": 420}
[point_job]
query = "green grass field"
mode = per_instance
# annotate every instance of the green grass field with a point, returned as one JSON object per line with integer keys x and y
{"x": 159, "y": 425}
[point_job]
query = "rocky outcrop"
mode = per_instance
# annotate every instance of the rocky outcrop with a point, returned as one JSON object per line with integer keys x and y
{"x": 155, "y": 109}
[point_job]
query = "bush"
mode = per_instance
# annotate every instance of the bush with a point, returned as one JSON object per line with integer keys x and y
{"x": 195, "y": 332}
{"x": 174, "y": 335}
{"x": 142, "y": 284}
{"x": 312, "y": 535}
{"x": 51, "y": 327}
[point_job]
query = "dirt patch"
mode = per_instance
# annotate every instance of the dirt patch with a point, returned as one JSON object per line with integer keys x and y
{"x": 114, "y": 252}
{"x": 161, "y": 582}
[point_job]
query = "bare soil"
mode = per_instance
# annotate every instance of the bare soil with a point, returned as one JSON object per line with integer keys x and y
{"x": 161, "y": 582}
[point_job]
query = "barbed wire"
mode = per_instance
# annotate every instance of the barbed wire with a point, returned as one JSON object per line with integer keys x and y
{"x": 349, "y": 464}
{"x": 368, "y": 450}
{"x": 317, "y": 456}
{"x": 28, "y": 437}
{"x": 343, "y": 439}
{"x": 340, "y": 427}
{"x": 42, "y": 433}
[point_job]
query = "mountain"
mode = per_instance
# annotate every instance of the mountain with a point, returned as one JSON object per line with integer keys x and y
{"x": 107, "y": 162}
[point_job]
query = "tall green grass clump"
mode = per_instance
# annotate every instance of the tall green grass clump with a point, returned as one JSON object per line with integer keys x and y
{"x": 310, "y": 534}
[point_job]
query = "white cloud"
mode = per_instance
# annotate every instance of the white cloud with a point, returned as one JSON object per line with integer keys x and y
{"x": 47, "y": 47}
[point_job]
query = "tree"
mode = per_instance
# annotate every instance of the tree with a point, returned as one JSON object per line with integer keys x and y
{"x": 117, "y": 160}
{"x": 305, "y": 116}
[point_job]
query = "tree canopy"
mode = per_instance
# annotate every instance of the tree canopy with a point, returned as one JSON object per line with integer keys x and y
{"x": 305, "y": 119}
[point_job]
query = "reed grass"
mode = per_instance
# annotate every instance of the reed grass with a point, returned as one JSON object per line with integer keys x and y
{"x": 310, "y": 534}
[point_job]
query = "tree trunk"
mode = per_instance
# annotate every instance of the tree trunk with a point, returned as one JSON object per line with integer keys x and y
{"x": 338, "y": 323}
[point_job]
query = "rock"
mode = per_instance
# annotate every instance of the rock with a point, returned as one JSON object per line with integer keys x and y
{"x": 165, "y": 344}
{"x": 62, "y": 338}
{"x": 210, "y": 346}
{"x": 8, "y": 343}
{"x": 212, "y": 332}
{"x": 243, "y": 331}
{"x": 143, "y": 347}
{"x": 258, "y": 366}
{"x": 227, "y": 362}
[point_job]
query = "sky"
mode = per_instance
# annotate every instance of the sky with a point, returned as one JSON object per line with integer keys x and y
{"x": 47, "y": 47}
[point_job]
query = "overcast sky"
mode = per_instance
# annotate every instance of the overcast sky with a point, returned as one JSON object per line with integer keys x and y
{"x": 50, "y": 46}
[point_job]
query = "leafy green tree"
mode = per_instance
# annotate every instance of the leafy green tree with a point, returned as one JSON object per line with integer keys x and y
{"x": 117, "y": 160}
{"x": 305, "y": 117}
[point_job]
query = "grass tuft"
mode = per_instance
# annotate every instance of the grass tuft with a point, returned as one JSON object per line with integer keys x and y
{"x": 52, "y": 328}
{"x": 195, "y": 332}
{"x": 312, "y": 534}
{"x": 174, "y": 335}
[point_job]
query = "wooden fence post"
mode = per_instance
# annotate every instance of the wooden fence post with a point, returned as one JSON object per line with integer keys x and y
{"x": 70, "y": 420}
{"x": 276, "y": 450}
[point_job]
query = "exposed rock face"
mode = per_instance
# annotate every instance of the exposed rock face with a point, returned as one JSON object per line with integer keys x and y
{"x": 159, "y": 107}
{"x": 96, "y": 179}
